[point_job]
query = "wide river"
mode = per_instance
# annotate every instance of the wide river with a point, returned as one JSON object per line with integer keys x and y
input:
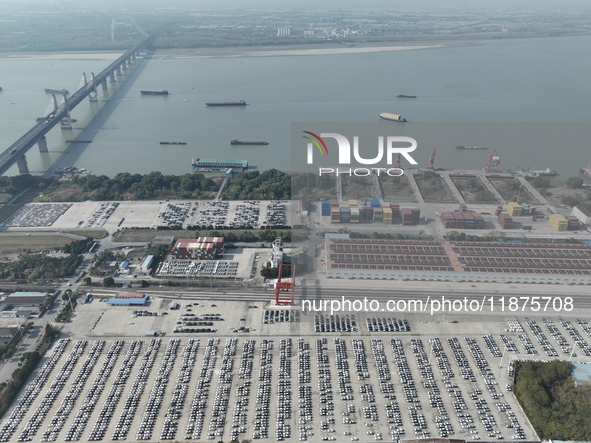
{"x": 543, "y": 80}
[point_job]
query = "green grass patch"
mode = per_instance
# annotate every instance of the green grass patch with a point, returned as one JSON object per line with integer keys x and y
{"x": 4, "y": 197}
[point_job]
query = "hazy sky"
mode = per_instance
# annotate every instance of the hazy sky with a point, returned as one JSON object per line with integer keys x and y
{"x": 403, "y": 4}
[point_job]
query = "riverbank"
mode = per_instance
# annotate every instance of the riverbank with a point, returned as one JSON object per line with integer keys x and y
{"x": 298, "y": 50}
{"x": 242, "y": 51}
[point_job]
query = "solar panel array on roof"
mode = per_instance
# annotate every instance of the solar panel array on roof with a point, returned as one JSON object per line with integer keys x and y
{"x": 485, "y": 257}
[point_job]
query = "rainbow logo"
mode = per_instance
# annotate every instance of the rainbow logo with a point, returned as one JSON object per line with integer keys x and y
{"x": 317, "y": 141}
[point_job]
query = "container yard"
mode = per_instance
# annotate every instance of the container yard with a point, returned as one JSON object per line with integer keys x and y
{"x": 369, "y": 211}
{"x": 462, "y": 220}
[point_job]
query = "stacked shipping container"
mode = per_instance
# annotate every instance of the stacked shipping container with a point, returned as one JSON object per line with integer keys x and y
{"x": 573, "y": 223}
{"x": 514, "y": 209}
{"x": 505, "y": 220}
{"x": 387, "y": 218}
{"x": 354, "y": 215}
{"x": 558, "y": 222}
{"x": 462, "y": 220}
{"x": 378, "y": 215}
{"x": 406, "y": 216}
{"x": 335, "y": 215}
{"x": 367, "y": 213}
{"x": 355, "y": 211}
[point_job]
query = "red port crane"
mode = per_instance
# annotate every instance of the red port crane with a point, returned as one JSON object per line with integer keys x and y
{"x": 493, "y": 162}
{"x": 432, "y": 159}
{"x": 284, "y": 289}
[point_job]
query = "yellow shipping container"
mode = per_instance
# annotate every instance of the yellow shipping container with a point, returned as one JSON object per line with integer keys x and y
{"x": 558, "y": 222}
{"x": 514, "y": 212}
{"x": 514, "y": 209}
{"x": 387, "y": 220}
{"x": 353, "y": 203}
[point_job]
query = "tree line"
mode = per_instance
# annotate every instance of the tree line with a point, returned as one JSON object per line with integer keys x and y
{"x": 271, "y": 184}
{"x": 27, "y": 364}
{"x": 556, "y": 408}
{"x": 143, "y": 187}
{"x": 39, "y": 266}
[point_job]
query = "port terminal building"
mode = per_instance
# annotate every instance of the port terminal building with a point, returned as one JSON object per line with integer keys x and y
{"x": 128, "y": 299}
{"x": 26, "y": 298}
{"x": 202, "y": 248}
{"x": 582, "y": 215}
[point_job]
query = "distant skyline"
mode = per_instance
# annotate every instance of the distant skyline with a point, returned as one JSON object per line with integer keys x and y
{"x": 317, "y": 4}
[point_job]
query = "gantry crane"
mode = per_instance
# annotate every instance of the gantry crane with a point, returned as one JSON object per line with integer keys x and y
{"x": 432, "y": 159}
{"x": 493, "y": 162}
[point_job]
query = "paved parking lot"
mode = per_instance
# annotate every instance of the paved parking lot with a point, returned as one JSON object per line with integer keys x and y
{"x": 113, "y": 216}
{"x": 38, "y": 215}
{"x": 282, "y": 380}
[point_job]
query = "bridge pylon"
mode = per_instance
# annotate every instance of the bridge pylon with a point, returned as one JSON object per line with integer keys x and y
{"x": 66, "y": 122}
{"x": 112, "y": 77}
{"x": 42, "y": 143}
{"x": 23, "y": 168}
{"x": 93, "y": 96}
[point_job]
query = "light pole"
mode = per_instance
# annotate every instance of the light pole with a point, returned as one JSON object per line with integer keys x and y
{"x": 502, "y": 357}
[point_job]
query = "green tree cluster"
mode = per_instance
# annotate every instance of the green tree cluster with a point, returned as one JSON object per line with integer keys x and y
{"x": 555, "y": 407}
{"x": 142, "y": 187}
{"x": 29, "y": 361}
{"x": 575, "y": 182}
{"x": 271, "y": 184}
{"x": 541, "y": 182}
{"x": 268, "y": 272}
{"x": 18, "y": 183}
{"x": 36, "y": 266}
{"x": 78, "y": 246}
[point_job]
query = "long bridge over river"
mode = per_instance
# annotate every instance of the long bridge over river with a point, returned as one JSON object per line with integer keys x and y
{"x": 60, "y": 116}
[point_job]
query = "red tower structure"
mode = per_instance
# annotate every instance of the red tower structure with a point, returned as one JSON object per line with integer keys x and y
{"x": 493, "y": 162}
{"x": 284, "y": 289}
{"x": 432, "y": 159}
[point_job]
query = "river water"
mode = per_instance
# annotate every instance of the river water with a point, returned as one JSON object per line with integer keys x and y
{"x": 542, "y": 80}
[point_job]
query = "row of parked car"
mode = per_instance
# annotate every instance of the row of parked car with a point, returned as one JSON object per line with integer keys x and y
{"x": 31, "y": 391}
{"x": 541, "y": 338}
{"x": 91, "y": 399}
{"x": 200, "y": 402}
{"x": 69, "y": 401}
{"x": 180, "y": 391}
{"x": 53, "y": 392}
{"x": 156, "y": 397}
